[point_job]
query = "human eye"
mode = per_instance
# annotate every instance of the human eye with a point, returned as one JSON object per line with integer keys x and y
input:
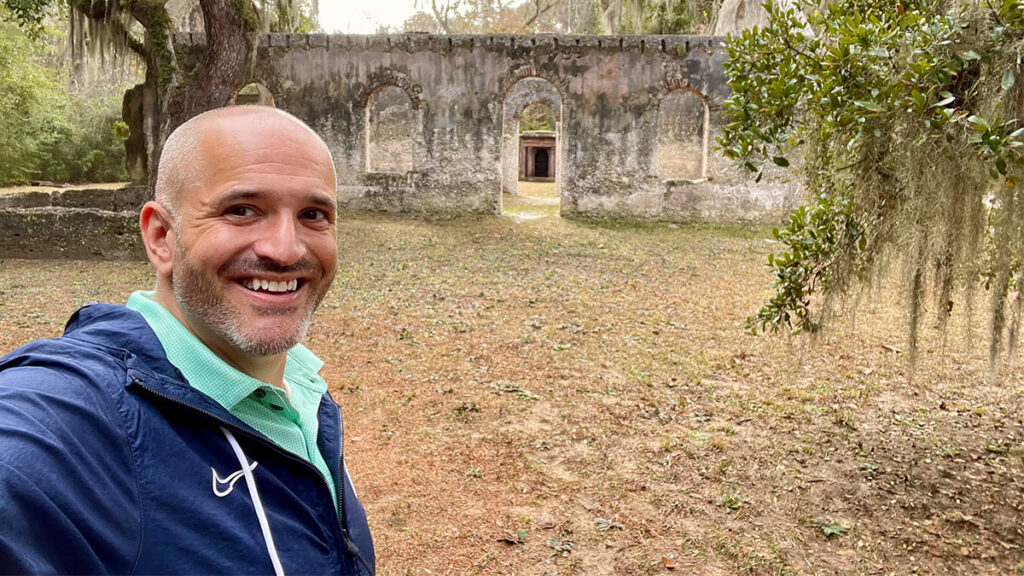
{"x": 316, "y": 215}
{"x": 241, "y": 211}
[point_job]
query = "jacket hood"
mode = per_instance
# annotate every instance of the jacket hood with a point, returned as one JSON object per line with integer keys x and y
{"x": 113, "y": 326}
{"x": 124, "y": 333}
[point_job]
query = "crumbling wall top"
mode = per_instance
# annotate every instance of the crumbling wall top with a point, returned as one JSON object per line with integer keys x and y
{"x": 422, "y": 42}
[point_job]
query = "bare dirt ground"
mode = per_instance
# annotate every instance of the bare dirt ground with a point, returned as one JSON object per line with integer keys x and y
{"x": 540, "y": 396}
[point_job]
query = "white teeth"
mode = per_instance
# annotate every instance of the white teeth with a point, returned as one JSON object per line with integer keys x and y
{"x": 271, "y": 285}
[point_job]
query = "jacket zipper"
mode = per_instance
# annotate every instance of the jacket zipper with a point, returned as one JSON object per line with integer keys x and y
{"x": 349, "y": 547}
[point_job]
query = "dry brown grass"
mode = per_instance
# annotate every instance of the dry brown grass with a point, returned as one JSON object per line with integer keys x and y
{"x": 536, "y": 189}
{"x": 590, "y": 383}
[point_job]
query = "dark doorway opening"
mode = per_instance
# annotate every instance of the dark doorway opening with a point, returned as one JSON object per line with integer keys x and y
{"x": 540, "y": 163}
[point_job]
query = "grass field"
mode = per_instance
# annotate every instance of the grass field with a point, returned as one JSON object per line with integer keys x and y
{"x": 528, "y": 395}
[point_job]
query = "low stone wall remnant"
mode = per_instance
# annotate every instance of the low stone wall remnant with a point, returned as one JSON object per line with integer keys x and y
{"x": 81, "y": 224}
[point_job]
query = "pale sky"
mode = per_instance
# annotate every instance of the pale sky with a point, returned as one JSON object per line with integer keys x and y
{"x": 364, "y": 16}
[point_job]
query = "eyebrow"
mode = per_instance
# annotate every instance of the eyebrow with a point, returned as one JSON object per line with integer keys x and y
{"x": 313, "y": 199}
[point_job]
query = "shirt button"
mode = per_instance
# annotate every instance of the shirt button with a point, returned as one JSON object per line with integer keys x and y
{"x": 260, "y": 393}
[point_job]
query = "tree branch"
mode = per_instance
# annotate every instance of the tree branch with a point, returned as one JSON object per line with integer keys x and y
{"x": 94, "y": 10}
{"x": 441, "y": 16}
{"x": 134, "y": 44}
{"x": 995, "y": 13}
{"x": 537, "y": 14}
{"x": 99, "y": 11}
{"x": 800, "y": 52}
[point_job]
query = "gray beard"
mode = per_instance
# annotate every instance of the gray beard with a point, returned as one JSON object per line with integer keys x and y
{"x": 200, "y": 303}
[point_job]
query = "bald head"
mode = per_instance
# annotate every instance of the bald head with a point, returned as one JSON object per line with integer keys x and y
{"x": 197, "y": 147}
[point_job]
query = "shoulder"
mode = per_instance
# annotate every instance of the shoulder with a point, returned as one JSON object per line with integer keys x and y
{"x": 61, "y": 398}
{"x": 68, "y": 390}
{"x": 93, "y": 352}
{"x": 60, "y": 392}
{"x": 62, "y": 370}
{"x": 66, "y": 467}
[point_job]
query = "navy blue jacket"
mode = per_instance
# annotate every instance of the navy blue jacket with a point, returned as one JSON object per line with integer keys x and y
{"x": 110, "y": 463}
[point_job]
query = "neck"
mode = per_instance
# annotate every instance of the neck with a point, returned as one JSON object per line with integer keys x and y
{"x": 268, "y": 369}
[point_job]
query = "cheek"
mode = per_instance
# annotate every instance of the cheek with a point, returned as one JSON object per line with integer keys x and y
{"x": 325, "y": 250}
{"x": 213, "y": 251}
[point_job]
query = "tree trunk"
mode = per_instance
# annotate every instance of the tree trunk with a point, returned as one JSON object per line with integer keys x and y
{"x": 231, "y": 30}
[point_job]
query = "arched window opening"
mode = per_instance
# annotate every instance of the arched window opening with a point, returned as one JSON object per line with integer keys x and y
{"x": 253, "y": 94}
{"x": 682, "y": 136}
{"x": 389, "y": 121}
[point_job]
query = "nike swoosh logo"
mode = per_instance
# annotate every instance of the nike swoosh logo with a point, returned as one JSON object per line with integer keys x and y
{"x": 228, "y": 482}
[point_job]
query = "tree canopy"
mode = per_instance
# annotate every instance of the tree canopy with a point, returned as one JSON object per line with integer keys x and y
{"x": 537, "y": 117}
{"x": 145, "y": 27}
{"x": 904, "y": 120}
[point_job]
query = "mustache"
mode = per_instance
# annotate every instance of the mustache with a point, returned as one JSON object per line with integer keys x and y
{"x": 254, "y": 266}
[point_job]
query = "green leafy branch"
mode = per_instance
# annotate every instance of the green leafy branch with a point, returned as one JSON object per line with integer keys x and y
{"x": 875, "y": 99}
{"x": 815, "y": 236}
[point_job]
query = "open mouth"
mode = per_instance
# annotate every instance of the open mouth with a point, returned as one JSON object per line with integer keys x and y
{"x": 270, "y": 286}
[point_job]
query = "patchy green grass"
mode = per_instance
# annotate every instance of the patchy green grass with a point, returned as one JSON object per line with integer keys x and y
{"x": 588, "y": 388}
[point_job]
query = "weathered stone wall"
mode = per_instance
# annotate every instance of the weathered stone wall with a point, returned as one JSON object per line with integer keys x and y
{"x": 73, "y": 224}
{"x": 464, "y": 95}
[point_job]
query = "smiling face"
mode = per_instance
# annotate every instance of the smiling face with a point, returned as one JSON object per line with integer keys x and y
{"x": 255, "y": 243}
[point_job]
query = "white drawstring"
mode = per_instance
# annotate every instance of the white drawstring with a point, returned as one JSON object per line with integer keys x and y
{"x": 250, "y": 481}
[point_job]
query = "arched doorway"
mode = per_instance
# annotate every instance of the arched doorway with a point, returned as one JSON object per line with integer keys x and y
{"x": 253, "y": 93}
{"x": 531, "y": 140}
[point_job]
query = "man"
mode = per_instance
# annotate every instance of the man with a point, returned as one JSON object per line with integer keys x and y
{"x": 189, "y": 432}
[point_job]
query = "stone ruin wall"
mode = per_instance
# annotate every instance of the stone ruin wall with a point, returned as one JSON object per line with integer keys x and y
{"x": 81, "y": 224}
{"x": 420, "y": 122}
{"x": 430, "y": 123}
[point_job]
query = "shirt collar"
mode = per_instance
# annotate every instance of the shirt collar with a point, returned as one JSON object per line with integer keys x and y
{"x": 207, "y": 372}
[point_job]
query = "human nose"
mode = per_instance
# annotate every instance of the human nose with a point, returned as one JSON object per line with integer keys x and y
{"x": 281, "y": 242}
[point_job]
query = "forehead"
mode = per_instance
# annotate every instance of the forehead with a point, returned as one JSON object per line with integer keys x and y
{"x": 275, "y": 157}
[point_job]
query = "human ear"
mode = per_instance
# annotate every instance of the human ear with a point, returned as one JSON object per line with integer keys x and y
{"x": 157, "y": 226}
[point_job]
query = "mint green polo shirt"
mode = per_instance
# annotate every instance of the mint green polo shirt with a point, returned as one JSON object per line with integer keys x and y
{"x": 291, "y": 423}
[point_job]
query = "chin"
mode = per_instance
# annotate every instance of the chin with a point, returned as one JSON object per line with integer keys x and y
{"x": 266, "y": 341}
{"x": 265, "y": 346}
